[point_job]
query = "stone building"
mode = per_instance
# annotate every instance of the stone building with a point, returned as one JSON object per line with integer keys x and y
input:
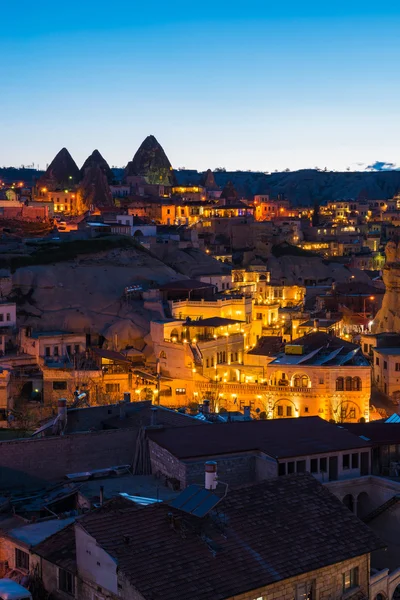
{"x": 255, "y": 543}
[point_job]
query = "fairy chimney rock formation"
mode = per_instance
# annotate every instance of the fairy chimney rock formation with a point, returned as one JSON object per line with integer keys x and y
{"x": 62, "y": 172}
{"x": 388, "y": 317}
{"x": 151, "y": 162}
{"x": 97, "y": 160}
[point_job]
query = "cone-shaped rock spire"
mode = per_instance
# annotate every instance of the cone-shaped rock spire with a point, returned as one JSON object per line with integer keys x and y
{"x": 97, "y": 160}
{"x": 151, "y": 162}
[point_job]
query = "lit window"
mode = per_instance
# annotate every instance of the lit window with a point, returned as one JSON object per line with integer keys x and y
{"x": 350, "y": 579}
{"x": 180, "y": 391}
{"x": 112, "y": 387}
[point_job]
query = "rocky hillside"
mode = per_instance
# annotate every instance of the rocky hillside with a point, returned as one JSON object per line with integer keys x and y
{"x": 305, "y": 187}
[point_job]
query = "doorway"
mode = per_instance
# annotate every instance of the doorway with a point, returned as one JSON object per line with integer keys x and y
{"x": 333, "y": 468}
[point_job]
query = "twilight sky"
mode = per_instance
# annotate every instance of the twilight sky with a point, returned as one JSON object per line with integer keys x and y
{"x": 242, "y": 85}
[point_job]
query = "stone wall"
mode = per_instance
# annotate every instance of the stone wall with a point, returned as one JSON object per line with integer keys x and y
{"x": 327, "y": 583}
{"x": 30, "y": 462}
{"x": 231, "y": 469}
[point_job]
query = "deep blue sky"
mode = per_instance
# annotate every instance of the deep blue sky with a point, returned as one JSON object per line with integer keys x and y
{"x": 243, "y": 85}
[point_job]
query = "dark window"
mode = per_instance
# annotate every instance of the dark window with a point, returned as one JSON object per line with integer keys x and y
{"x": 365, "y": 347}
{"x": 288, "y": 411}
{"x": 112, "y": 387}
{"x": 212, "y": 362}
{"x": 290, "y": 467}
{"x": 55, "y": 351}
{"x": 47, "y": 351}
{"x": 350, "y": 579}
{"x": 59, "y": 385}
{"x": 323, "y": 465}
{"x": 66, "y": 582}
{"x": 352, "y": 413}
{"x": 384, "y": 364}
{"x": 21, "y": 559}
{"x": 354, "y": 461}
{"x": 207, "y": 363}
{"x": 346, "y": 461}
{"x": 397, "y": 366}
{"x": 8, "y": 317}
{"x": 348, "y": 384}
{"x": 280, "y": 411}
{"x": 340, "y": 384}
{"x": 314, "y": 465}
{"x": 301, "y": 466}
{"x": 1, "y": 317}
{"x": 282, "y": 469}
{"x": 68, "y": 350}
{"x": 377, "y": 361}
{"x": 77, "y": 348}
{"x": 306, "y": 409}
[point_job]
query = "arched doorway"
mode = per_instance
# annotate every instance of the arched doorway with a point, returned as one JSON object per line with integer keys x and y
{"x": 348, "y": 501}
{"x": 396, "y": 593}
{"x": 364, "y": 505}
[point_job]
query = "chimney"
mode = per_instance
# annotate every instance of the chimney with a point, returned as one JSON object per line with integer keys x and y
{"x": 101, "y": 495}
{"x": 122, "y": 410}
{"x": 211, "y": 480}
{"x": 246, "y": 413}
{"x": 316, "y": 324}
{"x": 153, "y": 421}
{"x": 127, "y": 397}
{"x": 206, "y": 407}
{"x": 62, "y": 412}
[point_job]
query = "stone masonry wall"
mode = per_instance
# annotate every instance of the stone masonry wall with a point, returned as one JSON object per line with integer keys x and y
{"x": 231, "y": 469}
{"x": 327, "y": 581}
{"x": 34, "y": 461}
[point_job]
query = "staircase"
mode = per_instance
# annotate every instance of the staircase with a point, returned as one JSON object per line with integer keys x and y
{"x": 197, "y": 357}
{"x": 381, "y": 509}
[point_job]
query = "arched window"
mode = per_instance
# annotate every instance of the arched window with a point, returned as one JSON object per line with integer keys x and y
{"x": 163, "y": 354}
{"x": 339, "y": 384}
{"x": 304, "y": 381}
{"x": 357, "y": 385}
{"x": 348, "y": 384}
{"x": 174, "y": 335}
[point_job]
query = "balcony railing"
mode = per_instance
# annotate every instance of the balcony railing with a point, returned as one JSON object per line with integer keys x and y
{"x": 251, "y": 388}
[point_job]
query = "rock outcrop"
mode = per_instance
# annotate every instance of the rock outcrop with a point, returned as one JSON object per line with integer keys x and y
{"x": 151, "y": 162}
{"x": 388, "y": 317}
{"x": 208, "y": 180}
{"x": 61, "y": 173}
{"x": 94, "y": 189}
{"x": 229, "y": 192}
{"x": 87, "y": 294}
{"x": 97, "y": 160}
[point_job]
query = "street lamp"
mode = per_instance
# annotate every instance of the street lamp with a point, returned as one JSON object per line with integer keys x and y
{"x": 371, "y": 298}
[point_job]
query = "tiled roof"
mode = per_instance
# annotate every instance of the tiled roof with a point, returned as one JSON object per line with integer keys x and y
{"x": 267, "y": 533}
{"x": 378, "y": 432}
{"x": 269, "y": 345}
{"x": 280, "y": 438}
{"x": 166, "y": 417}
{"x": 59, "y": 549}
